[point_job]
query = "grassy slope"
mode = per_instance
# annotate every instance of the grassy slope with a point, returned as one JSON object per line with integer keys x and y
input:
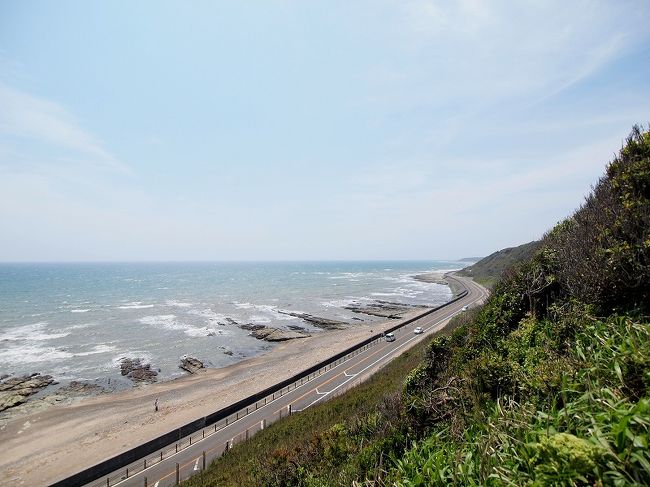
{"x": 488, "y": 270}
{"x": 248, "y": 461}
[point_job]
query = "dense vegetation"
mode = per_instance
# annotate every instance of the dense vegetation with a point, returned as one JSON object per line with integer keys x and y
{"x": 547, "y": 384}
{"x": 488, "y": 270}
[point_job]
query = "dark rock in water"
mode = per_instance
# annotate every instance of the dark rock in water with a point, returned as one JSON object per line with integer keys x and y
{"x": 276, "y": 335}
{"x": 384, "y": 309}
{"x": 226, "y": 351}
{"x": 251, "y": 327}
{"x": 4, "y": 376}
{"x": 230, "y": 321}
{"x": 16, "y": 390}
{"x": 324, "y": 323}
{"x": 136, "y": 370}
{"x": 191, "y": 364}
{"x": 211, "y": 334}
{"x": 297, "y": 328}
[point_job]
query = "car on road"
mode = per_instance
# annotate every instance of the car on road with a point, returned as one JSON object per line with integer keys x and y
{"x": 464, "y": 308}
{"x": 418, "y": 330}
{"x": 389, "y": 337}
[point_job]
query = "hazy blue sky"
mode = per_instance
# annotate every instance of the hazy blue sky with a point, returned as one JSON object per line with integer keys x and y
{"x": 307, "y": 130}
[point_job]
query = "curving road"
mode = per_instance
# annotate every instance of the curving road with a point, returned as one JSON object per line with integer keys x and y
{"x": 183, "y": 459}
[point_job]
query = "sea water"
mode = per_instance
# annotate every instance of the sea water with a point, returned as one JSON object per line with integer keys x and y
{"x": 77, "y": 321}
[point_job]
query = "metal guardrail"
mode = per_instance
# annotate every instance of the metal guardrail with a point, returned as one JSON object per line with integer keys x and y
{"x": 116, "y": 469}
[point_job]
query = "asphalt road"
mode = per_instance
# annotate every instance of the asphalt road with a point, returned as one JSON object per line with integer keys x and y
{"x": 190, "y": 455}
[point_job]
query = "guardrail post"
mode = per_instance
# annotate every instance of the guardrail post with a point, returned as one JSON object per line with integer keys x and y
{"x": 161, "y": 455}
{"x": 227, "y": 445}
{"x": 178, "y": 474}
{"x": 190, "y": 441}
{"x": 145, "y": 463}
{"x": 145, "y": 482}
{"x": 176, "y": 447}
{"x": 108, "y": 482}
{"x": 127, "y": 472}
{"x": 203, "y": 459}
{"x": 203, "y": 433}
{"x": 289, "y": 409}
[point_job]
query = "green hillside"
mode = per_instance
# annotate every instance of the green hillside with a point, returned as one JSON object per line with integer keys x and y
{"x": 547, "y": 384}
{"x": 488, "y": 270}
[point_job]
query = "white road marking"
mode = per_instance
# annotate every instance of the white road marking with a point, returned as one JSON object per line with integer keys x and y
{"x": 381, "y": 358}
{"x": 156, "y": 484}
{"x": 349, "y": 375}
{"x": 196, "y": 464}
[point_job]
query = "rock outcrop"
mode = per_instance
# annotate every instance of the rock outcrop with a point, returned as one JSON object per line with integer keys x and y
{"x": 384, "y": 309}
{"x": 137, "y": 371}
{"x": 317, "y": 321}
{"x": 16, "y": 390}
{"x": 270, "y": 334}
{"x": 191, "y": 364}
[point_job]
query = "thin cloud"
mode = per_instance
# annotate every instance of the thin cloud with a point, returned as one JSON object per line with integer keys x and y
{"x": 43, "y": 121}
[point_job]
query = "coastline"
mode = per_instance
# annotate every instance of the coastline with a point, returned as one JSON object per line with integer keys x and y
{"x": 43, "y": 446}
{"x": 439, "y": 278}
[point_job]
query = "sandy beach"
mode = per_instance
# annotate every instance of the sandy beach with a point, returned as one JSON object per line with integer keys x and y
{"x": 49, "y": 445}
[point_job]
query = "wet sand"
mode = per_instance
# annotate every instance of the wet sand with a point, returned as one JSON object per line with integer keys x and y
{"x": 49, "y": 445}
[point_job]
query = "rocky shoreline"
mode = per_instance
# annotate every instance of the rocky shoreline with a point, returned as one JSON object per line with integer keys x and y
{"x": 17, "y": 393}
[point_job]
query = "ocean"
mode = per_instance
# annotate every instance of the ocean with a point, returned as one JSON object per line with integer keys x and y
{"x": 77, "y": 321}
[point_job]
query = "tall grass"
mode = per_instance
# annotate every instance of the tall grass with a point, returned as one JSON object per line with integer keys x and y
{"x": 594, "y": 432}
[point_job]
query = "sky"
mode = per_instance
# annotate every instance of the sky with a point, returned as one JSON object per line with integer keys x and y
{"x": 304, "y": 130}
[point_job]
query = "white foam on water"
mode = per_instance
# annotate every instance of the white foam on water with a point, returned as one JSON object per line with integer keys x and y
{"x": 96, "y": 349}
{"x": 400, "y": 292}
{"x": 33, "y": 332}
{"x": 145, "y": 356}
{"x": 80, "y": 326}
{"x": 32, "y": 353}
{"x": 208, "y": 313}
{"x": 260, "y": 319}
{"x": 351, "y": 276}
{"x": 274, "y": 311}
{"x": 136, "y": 305}
{"x": 348, "y": 301}
{"x": 178, "y": 304}
{"x": 169, "y": 322}
{"x": 79, "y": 310}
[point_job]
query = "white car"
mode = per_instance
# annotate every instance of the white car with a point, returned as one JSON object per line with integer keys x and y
{"x": 418, "y": 330}
{"x": 464, "y": 308}
{"x": 389, "y": 337}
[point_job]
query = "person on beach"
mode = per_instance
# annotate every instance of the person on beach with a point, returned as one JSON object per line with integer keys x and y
{"x": 155, "y": 405}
